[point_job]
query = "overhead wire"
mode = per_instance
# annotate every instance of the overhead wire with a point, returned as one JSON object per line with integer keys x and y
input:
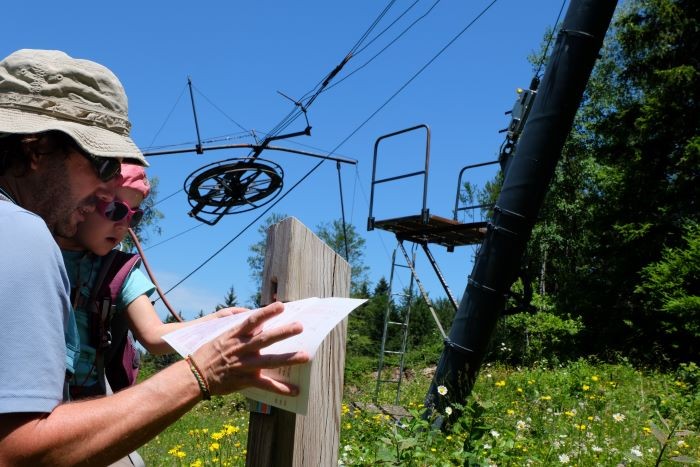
{"x": 175, "y": 236}
{"x": 409, "y": 27}
{"x": 313, "y": 169}
{"x": 167, "y": 117}
{"x": 220, "y": 110}
{"x": 314, "y": 92}
{"x": 372, "y": 26}
{"x": 396, "y": 20}
{"x": 354, "y": 192}
{"x": 549, "y": 40}
{"x": 281, "y": 197}
{"x": 342, "y": 213}
{"x": 166, "y": 198}
{"x": 421, "y": 70}
{"x": 353, "y": 50}
{"x": 280, "y": 127}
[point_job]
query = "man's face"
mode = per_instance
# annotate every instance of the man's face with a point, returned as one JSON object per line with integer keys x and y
{"x": 70, "y": 190}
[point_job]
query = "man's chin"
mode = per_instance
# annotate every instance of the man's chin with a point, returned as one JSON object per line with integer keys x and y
{"x": 66, "y": 229}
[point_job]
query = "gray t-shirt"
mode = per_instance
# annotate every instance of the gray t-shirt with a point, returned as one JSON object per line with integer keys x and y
{"x": 34, "y": 311}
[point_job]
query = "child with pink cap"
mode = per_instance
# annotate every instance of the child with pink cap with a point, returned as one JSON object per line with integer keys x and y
{"x": 83, "y": 254}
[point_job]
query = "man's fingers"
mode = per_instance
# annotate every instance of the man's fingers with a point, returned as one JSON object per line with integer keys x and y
{"x": 278, "y": 387}
{"x": 276, "y": 360}
{"x": 254, "y": 322}
{"x": 230, "y": 311}
{"x": 271, "y": 336}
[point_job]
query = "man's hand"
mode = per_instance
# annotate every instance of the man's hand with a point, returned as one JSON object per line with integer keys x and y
{"x": 228, "y": 311}
{"x": 233, "y": 361}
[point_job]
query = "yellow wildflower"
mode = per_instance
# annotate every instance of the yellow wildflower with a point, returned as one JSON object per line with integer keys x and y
{"x": 594, "y": 378}
{"x": 500, "y": 383}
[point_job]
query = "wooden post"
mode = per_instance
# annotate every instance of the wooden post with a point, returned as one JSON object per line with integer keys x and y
{"x": 299, "y": 265}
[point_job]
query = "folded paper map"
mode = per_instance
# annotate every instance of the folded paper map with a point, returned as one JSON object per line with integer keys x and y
{"x": 318, "y": 316}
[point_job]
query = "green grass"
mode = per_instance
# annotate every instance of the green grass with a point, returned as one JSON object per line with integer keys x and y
{"x": 578, "y": 414}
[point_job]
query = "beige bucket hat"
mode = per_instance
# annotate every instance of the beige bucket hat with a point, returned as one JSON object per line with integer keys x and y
{"x": 42, "y": 90}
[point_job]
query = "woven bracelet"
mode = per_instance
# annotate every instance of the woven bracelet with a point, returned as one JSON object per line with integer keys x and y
{"x": 203, "y": 386}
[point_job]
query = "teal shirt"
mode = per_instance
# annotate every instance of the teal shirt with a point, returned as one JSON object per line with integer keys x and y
{"x": 82, "y": 271}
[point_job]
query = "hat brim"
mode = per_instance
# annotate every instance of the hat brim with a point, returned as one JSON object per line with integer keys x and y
{"x": 93, "y": 139}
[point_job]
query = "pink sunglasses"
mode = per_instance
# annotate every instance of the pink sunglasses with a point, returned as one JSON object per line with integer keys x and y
{"x": 117, "y": 210}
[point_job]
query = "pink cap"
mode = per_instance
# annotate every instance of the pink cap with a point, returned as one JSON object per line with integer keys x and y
{"x": 134, "y": 177}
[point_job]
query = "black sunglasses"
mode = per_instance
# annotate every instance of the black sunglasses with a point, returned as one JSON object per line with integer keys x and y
{"x": 117, "y": 210}
{"x": 107, "y": 167}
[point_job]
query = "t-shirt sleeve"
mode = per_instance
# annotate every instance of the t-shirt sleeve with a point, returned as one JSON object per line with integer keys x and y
{"x": 34, "y": 307}
{"x": 136, "y": 284}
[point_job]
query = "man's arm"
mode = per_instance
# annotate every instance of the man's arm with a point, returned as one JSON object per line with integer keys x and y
{"x": 103, "y": 430}
{"x": 99, "y": 431}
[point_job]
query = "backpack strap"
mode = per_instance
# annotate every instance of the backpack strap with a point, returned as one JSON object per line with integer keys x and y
{"x": 116, "y": 267}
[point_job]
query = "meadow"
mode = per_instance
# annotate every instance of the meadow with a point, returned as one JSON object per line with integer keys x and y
{"x": 580, "y": 413}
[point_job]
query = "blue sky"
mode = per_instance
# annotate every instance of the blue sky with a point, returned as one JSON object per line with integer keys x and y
{"x": 240, "y": 54}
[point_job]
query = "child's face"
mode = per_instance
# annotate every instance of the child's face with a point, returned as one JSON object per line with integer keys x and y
{"x": 99, "y": 234}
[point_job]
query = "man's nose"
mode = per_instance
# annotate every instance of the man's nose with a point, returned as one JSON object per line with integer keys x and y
{"x": 105, "y": 191}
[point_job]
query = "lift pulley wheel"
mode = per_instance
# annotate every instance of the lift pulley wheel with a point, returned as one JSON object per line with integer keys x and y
{"x": 232, "y": 186}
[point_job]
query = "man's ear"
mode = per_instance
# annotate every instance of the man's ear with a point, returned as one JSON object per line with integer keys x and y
{"x": 34, "y": 158}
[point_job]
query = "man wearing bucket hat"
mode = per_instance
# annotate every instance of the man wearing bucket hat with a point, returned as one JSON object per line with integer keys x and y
{"x": 64, "y": 131}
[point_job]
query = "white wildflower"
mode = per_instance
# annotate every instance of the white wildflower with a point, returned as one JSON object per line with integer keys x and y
{"x": 618, "y": 417}
{"x": 564, "y": 458}
{"x": 442, "y": 390}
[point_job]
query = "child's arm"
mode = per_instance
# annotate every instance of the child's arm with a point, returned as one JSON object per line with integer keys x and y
{"x": 148, "y": 329}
